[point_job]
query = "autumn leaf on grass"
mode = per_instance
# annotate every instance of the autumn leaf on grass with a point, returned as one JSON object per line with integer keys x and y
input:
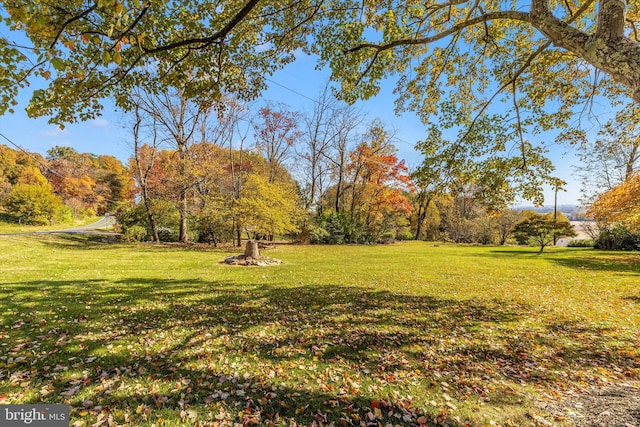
{"x": 192, "y": 414}
{"x": 71, "y": 391}
{"x": 301, "y": 409}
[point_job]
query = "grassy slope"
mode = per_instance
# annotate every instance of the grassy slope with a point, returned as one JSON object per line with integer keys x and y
{"x": 399, "y": 334}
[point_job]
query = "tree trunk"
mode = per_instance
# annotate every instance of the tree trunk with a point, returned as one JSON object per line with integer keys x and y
{"x": 338, "y": 192}
{"x": 632, "y": 159}
{"x": 142, "y": 177}
{"x": 252, "y": 251}
{"x": 423, "y": 206}
{"x": 152, "y": 220}
{"x": 419, "y": 222}
{"x": 184, "y": 237}
{"x": 183, "y": 203}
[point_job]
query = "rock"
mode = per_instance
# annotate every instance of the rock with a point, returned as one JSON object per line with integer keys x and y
{"x": 242, "y": 260}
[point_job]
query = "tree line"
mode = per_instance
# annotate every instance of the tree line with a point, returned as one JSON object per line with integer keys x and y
{"x": 210, "y": 173}
{"x": 62, "y": 186}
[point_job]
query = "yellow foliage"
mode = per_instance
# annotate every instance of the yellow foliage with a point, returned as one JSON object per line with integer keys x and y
{"x": 621, "y": 203}
{"x": 267, "y": 208}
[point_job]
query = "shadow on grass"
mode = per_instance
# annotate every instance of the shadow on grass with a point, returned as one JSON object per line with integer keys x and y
{"x": 624, "y": 263}
{"x": 586, "y": 259}
{"x": 265, "y": 354}
{"x": 109, "y": 242}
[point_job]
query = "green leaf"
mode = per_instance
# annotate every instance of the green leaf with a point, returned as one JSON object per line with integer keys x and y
{"x": 58, "y": 64}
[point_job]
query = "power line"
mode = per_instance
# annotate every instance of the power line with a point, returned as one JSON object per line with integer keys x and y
{"x": 316, "y": 102}
{"x": 31, "y": 155}
{"x": 291, "y": 90}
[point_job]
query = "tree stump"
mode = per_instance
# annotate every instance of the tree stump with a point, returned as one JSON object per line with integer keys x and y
{"x": 251, "y": 257}
{"x": 252, "y": 251}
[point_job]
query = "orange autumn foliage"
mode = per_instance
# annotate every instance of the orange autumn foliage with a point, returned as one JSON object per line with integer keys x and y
{"x": 621, "y": 203}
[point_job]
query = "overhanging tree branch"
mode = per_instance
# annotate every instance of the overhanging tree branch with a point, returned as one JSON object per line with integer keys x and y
{"x": 491, "y": 16}
{"x": 70, "y": 21}
{"x": 217, "y": 37}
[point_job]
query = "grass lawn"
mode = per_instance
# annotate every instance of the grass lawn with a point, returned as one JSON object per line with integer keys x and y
{"x": 405, "y": 334}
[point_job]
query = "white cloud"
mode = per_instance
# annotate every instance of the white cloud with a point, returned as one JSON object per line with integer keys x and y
{"x": 99, "y": 123}
{"x": 51, "y": 132}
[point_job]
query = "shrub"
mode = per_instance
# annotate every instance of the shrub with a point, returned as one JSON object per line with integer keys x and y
{"x": 405, "y": 235}
{"x": 581, "y": 243}
{"x": 617, "y": 237}
{"x": 130, "y": 216}
{"x": 212, "y": 229}
{"x": 167, "y": 234}
{"x": 33, "y": 204}
{"x": 317, "y": 234}
{"x": 135, "y": 233}
{"x": 331, "y": 228}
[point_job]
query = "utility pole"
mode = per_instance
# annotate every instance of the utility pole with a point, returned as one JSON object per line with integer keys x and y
{"x": 555, "y": 213}
{"x": 557, "y": 182}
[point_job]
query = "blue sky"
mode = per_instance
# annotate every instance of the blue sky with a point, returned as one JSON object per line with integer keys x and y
{"x": 293, "y": 86}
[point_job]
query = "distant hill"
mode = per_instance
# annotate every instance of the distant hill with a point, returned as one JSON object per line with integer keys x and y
{"x": 572, "y": 212}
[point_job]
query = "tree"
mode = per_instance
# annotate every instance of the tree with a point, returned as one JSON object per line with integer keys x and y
{"x": 144, "y": 156}
{"x": 32, "y": 176}
{"x": 32, "y": 204}
{"x": 377, "y": 187}
{"x": 114, "y": 185}
{"x": 86, "y": 182}
{"x": 103, "y": 48}
{"x": 452, "y": 58}
{"x": 442, "y": 168}
{"x": 620, "y": 204}
{"x": 266, "y": 209}
{"x": 506, "y": 221}
{"x": 427, "y": 218}
{"x": 494, "y": 180}
{"x": 614, "y": 155}
{"x": 213, "y": 194}
{"x": 276, "y": 133}
{"x": 69, "y": 173}
{"x": 542, "y": 229}
{"x": 235, "y": 114}
{"x": 313, "y": 152}
{"x": 465, "y": 218}
{"x": 12, "y": 165}
{"x": 348, "y": 120}
{"x": 542, "y": 62}
{"x": 176, "y": 120}
{"x": 93, "y": 50}
{"x": 537, "y": 48}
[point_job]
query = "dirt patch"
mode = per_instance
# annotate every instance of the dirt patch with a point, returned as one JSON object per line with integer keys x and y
{"x": 609, "y": 406}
